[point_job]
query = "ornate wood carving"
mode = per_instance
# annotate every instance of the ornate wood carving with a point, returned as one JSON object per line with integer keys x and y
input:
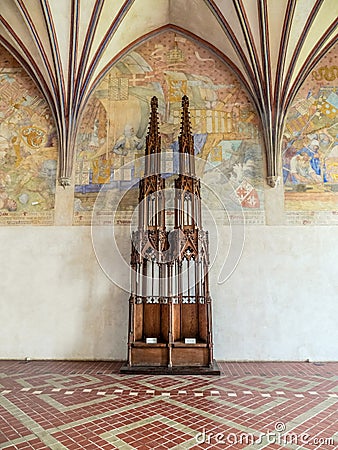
{"x": 170, "y": 301}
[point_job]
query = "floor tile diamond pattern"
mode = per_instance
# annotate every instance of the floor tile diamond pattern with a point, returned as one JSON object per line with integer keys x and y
{"x": 89, "y": 405}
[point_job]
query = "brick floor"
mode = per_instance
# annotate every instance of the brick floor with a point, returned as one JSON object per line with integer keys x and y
{"x": 89, "y": 405}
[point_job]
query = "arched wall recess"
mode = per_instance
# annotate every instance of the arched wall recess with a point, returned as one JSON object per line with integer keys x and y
{"x": 276, "y": 50}
{"x": 169, "y": 64}
{"x": 310, "y": 147}
{"x": 28, "y": 149}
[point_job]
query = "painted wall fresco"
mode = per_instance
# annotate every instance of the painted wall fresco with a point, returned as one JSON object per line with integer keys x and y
{"x": 28, "y": 150}
{"x": 310, "y": 150}
{"x": 114, "y": 126}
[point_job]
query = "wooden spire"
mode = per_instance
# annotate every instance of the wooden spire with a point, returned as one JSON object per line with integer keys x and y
{"x": 153, "y": 142}
{"x": 153, "y": 139}
{"x": 186, "y": 141}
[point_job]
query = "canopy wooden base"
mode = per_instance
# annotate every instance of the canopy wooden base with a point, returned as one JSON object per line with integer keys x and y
{"x": 175, "y": 370}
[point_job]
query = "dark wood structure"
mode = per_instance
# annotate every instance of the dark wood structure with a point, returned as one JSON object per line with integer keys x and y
{"x": 170, "y": 317}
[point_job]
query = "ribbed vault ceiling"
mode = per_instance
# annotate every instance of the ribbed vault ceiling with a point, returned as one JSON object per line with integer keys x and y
{"x": 67, "y": 45}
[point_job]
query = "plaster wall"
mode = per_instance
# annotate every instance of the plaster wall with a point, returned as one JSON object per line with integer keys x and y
{"x": 56, "y": 300}
{"x": 278, "y": 304}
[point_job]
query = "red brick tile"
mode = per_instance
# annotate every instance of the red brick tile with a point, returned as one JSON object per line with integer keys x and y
{"x": 248, "y": 410}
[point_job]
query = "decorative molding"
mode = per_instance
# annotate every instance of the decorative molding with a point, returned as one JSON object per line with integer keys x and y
{"x": 273, "y": 181}
{"x": 65, "y": 181}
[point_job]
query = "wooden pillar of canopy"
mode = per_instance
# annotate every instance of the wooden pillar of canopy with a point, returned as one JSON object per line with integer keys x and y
{"x": 170, "y": 315}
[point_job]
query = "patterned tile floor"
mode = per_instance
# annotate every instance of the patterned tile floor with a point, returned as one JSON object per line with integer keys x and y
{"x": 89, "y": 405}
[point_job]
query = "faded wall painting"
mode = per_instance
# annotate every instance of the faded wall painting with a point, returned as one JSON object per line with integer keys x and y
{"x": 111, "y": 139}
{"x": 310, "y": 148}
{"x": 28, "y": 150}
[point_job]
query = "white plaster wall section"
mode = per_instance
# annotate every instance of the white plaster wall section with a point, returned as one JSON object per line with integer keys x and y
{"x": 52, "y": 303}
{"x": 279, "y": 304}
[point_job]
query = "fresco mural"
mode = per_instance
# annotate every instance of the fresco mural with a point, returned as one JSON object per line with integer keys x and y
{"x": 114, "y": 125}
{"x": 28, "y": 149}
{"x": 310, "y": 150}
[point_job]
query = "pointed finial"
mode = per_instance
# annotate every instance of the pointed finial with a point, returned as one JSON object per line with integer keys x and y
{"x": 185, "y": 123}
{"x": 153, "y": 123}
{"x": 186, "y": 140}
{"x": 154, "y": 103}
{"x": 185, "y": 101}
{"x": 153, "y": 138}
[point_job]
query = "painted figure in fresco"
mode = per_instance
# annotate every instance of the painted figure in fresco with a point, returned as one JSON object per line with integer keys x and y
{"x": 315, "y": 156}
{"x": 47, "y": 172}
{"x": 7, "y": 203}
{"x": 301, "y": 169}
{"x": 128, "y": 142}
{"x": 331, "y": 161}
{"x": 312, "y": 150}
{"x": 306, "y": 165}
